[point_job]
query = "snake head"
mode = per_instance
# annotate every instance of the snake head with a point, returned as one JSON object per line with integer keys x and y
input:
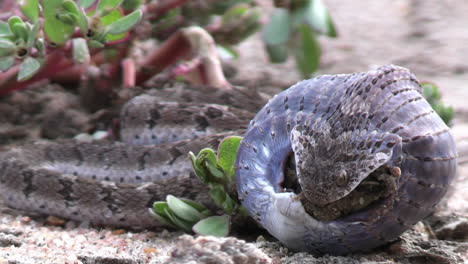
{"x": 331, "y": 164}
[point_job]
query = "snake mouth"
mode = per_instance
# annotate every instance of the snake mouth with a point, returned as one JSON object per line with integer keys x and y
{"x": 380, "y": 184}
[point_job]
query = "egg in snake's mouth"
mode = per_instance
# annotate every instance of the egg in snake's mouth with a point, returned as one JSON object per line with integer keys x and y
{"x": 377, "y": 186}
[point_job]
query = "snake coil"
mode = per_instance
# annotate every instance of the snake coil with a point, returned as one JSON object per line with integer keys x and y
{"x": 349, "y": 134}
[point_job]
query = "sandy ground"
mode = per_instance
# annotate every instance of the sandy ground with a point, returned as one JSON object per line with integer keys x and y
{"x": 428, "y": 36}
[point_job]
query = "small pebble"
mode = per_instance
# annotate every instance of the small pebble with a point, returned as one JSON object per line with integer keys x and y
{"x": 55, "y": 221}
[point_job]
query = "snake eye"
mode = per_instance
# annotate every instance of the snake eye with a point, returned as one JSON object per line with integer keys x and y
{"x": 342, "y": 179}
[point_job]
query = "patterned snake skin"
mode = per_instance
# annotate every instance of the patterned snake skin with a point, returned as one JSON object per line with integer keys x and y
{"x": 338, "y": 128}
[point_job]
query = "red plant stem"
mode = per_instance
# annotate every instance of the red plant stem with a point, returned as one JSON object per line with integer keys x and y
{"x": 129, "y": 73}
{"x": 56, "y": 61}
{"x": 174, "y": 48}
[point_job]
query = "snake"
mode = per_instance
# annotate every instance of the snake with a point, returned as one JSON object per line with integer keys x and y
{"x": 334, "y": 164}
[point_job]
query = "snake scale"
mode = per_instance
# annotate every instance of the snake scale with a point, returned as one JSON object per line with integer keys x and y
{"x": 344, "y": 135}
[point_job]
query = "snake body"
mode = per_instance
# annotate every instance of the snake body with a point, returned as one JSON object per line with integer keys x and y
{"x": 114, "y": 183}
{"x": 339, "y": 129}
{"x": 343, "y": 128}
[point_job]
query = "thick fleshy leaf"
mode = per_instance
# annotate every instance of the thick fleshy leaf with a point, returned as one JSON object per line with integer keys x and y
{"x": 95, "y": 44}
{"x": 227, "y": 152}
{"x": 277, "y": 31}
{"x": 130, "y": 5}
{"x": 180, "y": 223}
{"x": 214, "y": 170}
{"x": 158, "y": 207}
{"x": 6, "y": 63}
{"x": 20, "y": 31}
{"x": 40, "y": 46}
{"x": 431, "y": 92}
{"x": 18, "y": 27}
{"x": 85, "y": 3}
{"x": 229, "y": 205}
{"x": 316, "y": 14}
{"x": 218, "y": 195}
{"x": 7, "y": 47}
{"x": 198, "y": 206}
{"x": 213, "y": 226}
{"x": 277, "y": 53}
{"x": 32, "y": 35}
{"x": 113, "y": 16}
{"x": 5, "y": 30}
{"x": 434, "y": 97}
{"x": 30, "y": 9}
{"x": 28, "y": 68}
{"x": 14, "y": 20}
{"x": 160, "y": 215}
{"x": 200, "y": 172}
{"x": 307, "y": 51}
{"x": 80, "y": 51}
{"x": 183, "y": 210}
{"x": 125, "y": 23}
{"x": 78, "y": 15}
{"x": 222, "y": 199}
{"x": 200, "y": 164}
{"x": 56, "y": 30}
{"x": 67, "y": 18}
{"x": 106, "y": 6}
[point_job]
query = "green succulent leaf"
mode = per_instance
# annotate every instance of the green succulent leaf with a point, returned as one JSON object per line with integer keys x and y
{"x": 104, "y": 7}
{"x": 200, "y": 207}
{"x": 68, "y": 19}
{"x": 32, "y": 35}
{"x": 180, "y": 223}
{"x": 7, "y": 47}
{"x": 95, "y": 44}
{"x": 85, "y": 3}
{"x": 5, "y": 31}
{"x": 77, "y": 14}
{"x": 21, "y": 31}
{"x": 229, "y": 205}
{"x": 30, "y": 8}
{"x": 130, "y": 5}
{"x": 183, "y": 210}
{"x": 434, "y": 97}
{"x": 278, "y": 29}
{"x": 205, "y": 156}
{"x": 317, "y": 16}
{"x": 222, "y": 199}
{"x": 112, "y": 17}
{"x": 218, "y": 194}
{"x": 159, "y": 213}
{"x": 28, "y": 68}
{"x": 14, "y": 20}
{"x": 56, "y": 30}
{"x": 40, "y": 46}
{"x": 125, "y": 23}
{"x": 307, "y": 52}
{"x": 18, "y": 27}
{"x": 200, "y": 172}
{"x": 213, "y": 226}
{"x": 214, "y": 170}
{"x": 80, "y": 51}
{"x": 6, "y": 63}
{"x": 276, "y": 35}
{"x": 431, "y": 92}
{"x": 277, "y": 53}
{"x": 227, "y": 152}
